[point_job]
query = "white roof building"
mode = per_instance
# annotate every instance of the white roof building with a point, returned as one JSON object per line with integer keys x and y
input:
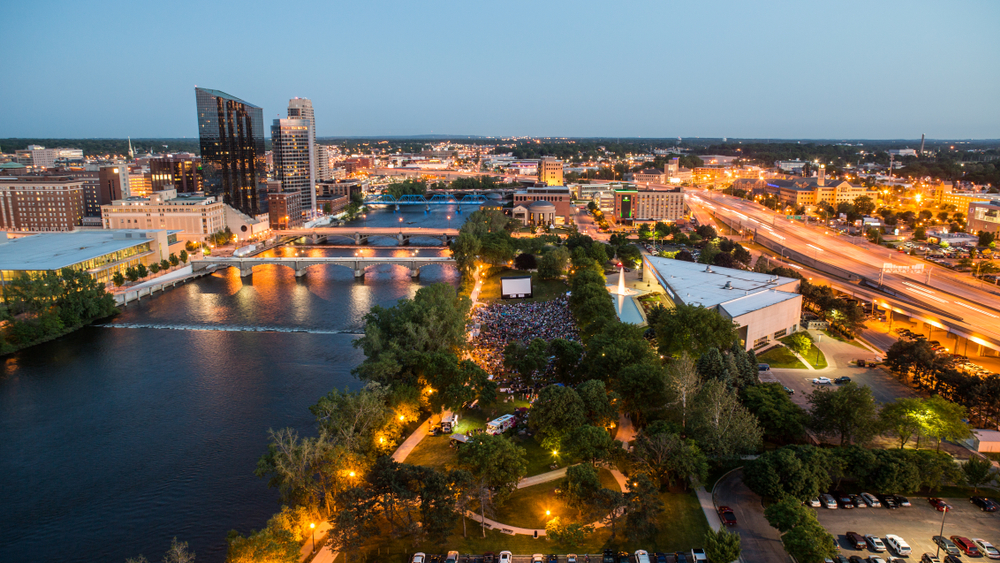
{"x": 765, "y": 307}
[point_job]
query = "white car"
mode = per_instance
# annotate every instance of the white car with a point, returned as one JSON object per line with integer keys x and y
{"x": 875, "y": 543}
{"x": 814, "y": 503}
{"x": 506, "y": 557}
{"x": 898, "y": 545}
{"x": 537, "y": 558}
{"x": 822, "y": 381}
{"x": 419, "y": 557}
{"x": 452, "y": 557}
{"x": 698, "y": 554}
{"x": 641, "y": 556}
{"x": 570, "y": 558}
{"x": 986, "y": 548}
{"x": 871, "y": 500}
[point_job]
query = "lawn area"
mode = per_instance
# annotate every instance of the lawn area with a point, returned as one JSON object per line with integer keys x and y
{"x": 682, "y": 526}
{"x": 780, "y": 357}
{"x": 839, "y": 338}
{"x": 815, "y": 356}
{"x": 543, "y": 290}
{"x": 526, "y": 507}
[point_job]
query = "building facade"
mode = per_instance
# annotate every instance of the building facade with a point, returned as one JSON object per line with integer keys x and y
{"x": 284, "y": 210}
{"x": 550, "y": 171}
{"x": 180, "y": 172}
{"x": 294, "y": 158}
{"x": 302, "y": 108}
{"x": 632, "y": 205}
{"x": 984, "y": 216}
{"x": 196, "y": 217}
{"x": 231, "y": 133}
{"x": 559, "y": 196}
{"x": 41, "y": 203}
{"x": 944, "y": 194}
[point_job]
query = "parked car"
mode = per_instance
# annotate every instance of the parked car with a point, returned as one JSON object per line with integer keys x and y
{"x": 939, "y": 504}
{"x": 858, "y": 502}
{"x": 871, "y": 500}
{"x": 489, "y": 557}
{"x": 539, "y": 558}
{"x": 898, "y": 545}
{"x": 789, "y": 390}
{"x": 856, "y": 559}
{"x": 680, "y": 557}
{"x": 875, "y": 543}
{"x": 946, "y": 544}
{"x": 506, "y": 557}
{"x": 642, "y": 556}
{"x": 828, "y": 501}
{"x": 901, "y": 500}
{"x": 570, "y": 558}
{"x": 660, "y": 557}
{"x": 609, "y": 556}
{"x": 763, "y": 367}
{"x": 452, "y": 557}
{"x": 623, "y": 557}
{"x": 822, "y": 381}
{"x": 727, "y": 516}
{"x": 838, "y": 558}
{"x": 951, "y": 559}
{"x": 985, "y": 504}
{"x": 844, "y": 500}
{"x": 553, "y": 558}
{"x": 842, "y": 379}
{"x": 929, "y": 558}
{"x": 418, "y": 557}
{"x": 814, "y": 503}
{"x": 698, "y": 554}
{"x": 856, "y": 540}
{"x": 875, "y": 559}
{"x": 890, "y": 502}
{"x": 986, "y": 548}
{"x": 966, "y": 545}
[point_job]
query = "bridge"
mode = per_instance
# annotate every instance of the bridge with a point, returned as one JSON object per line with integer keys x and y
{"x": 300, "y": 264}
{"x": 361, "y": 235}
{"x": 436, "y": 199}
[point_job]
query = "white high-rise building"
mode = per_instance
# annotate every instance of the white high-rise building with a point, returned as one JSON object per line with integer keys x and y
{"x": 323, "y": 169}
{"x": 294, "y": 153}
{"x": 302, "y": 108}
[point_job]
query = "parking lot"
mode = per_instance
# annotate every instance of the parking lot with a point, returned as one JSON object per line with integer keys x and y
{"x": 916, "y": 524}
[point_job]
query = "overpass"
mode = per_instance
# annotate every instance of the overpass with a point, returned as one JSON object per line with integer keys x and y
{"x": 300, "y": 264}
{"x": 361, "y": 235}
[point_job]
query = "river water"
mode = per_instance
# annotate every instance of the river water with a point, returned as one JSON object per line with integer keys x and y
{"x": 117, "y": 438}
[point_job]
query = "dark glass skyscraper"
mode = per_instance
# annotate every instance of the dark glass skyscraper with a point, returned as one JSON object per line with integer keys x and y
{"x": 232, "y": 148}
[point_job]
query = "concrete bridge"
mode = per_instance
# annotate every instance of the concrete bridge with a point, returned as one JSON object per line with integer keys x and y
{"x": 361, "y": 235}
{"x": 300, "y": 264}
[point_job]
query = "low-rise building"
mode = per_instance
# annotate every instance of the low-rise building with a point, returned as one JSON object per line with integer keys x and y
{"x": 558, "y": 196}
{"x": 285, "y": 210}
{"x": 984, "y": 216}
{"x": 763, "y": 307}
{"x": 334, "y": 188}
{"x": 41, "y": 203}
{"x": 632, "y": 205}
{"x": 99, "y": 253}
{"x": 806, "y": 192}
{"x": 944, "y": 194}
{"x": 195, "y": 216}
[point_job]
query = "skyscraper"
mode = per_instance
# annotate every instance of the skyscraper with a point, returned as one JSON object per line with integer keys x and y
{"x": 232, "y": 148}
{"x": 302, "y": 108}
{"x": 291, "y": 148}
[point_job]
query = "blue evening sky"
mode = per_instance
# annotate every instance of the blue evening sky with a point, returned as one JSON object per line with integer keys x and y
{"x": 792, "y": 69}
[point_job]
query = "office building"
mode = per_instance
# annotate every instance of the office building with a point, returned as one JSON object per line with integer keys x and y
{"x": 41, "y": 203}
{"x": 324, "y": 162}
{"x": 302, "y": 108}
{"x": 550, "y": 171}
{"x": 99, "y": 253}
{"x": 341, "y": 187}
{"x": 284, "y": 209}
{"x": 944, "y": 195}
{"x": 38, "y": 156}
{"x": 114, "y": 183}
{"x": 984, "y": 216}
{"x": 293, "y": 150}
{"x": 179, "y": 172}
{"x": 764, "y": 307}
{"x": 633, "y": 205}
{"x": 195, "y": 216}
{"x": 231, "y": 132}
{"x": 805, "y": 192}
{"x": 558, "y": 196}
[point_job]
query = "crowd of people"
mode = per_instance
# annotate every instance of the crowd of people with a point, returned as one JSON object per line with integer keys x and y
{"x": 502, "y": 323}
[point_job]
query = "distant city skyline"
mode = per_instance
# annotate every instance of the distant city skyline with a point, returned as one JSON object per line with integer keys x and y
{"x": 781, "y": 70}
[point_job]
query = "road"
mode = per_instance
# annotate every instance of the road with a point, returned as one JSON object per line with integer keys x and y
{"x": 958, "y": 304}
{"x": 759, "y": 542}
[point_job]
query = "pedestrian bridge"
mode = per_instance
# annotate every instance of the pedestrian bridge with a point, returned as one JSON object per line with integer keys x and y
{"x": 361, "y": 235}
{"x": 300, "y": 264}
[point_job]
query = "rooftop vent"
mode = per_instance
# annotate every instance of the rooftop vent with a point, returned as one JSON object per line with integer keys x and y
{"x": 729, "y": 285}
{"x": 708, "y": 269}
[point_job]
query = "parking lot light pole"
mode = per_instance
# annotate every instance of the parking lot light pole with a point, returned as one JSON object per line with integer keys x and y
{"x": 941, "y": 533}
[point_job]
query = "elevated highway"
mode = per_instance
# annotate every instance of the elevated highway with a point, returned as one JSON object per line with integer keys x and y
{"x": 358, "y": 264}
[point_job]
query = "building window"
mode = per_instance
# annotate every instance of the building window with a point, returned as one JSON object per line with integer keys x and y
{"x": 780, "y": 333}
{"x": 760, "y": 342}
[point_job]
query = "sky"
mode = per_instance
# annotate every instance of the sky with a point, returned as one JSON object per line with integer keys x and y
{"x": 872, "y": 69}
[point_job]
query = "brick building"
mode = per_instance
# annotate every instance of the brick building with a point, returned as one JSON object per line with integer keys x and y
{"x": 41, "y": 203}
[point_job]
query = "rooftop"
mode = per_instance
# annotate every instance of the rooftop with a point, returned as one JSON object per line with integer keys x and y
{"x": 54, "y": 251}
{"x": 711, "y": 286}
{"x": 225, "y": 96}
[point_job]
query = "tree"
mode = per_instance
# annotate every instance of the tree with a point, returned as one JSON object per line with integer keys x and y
{"x": 722, "y": 426}
{"x": 118, "y": 279}
{"x": 553, "y": 263}
{"x": 178, "y": 553}
{"x": 722, "y": 546}
{"x": 798, "y": 472}
{"x": 265, "y": 546}
{"x": 132, "y": 273}
{"x": 496, "y": 462}
{"x": 947, "y": 420}
{"x": 597, "y": 403}
{"x": 706, "y": 232}
{"x": 850, "y": 411}
{"x": 643, "y": 508}
{"x": 566, "y": 356}
{"x": 800, "y": 343}
{"x": 902, "y": 417}
{"x": 810, "y": 543}
{"x": 986, "y": 238}
{"x": 685, "y": 384}
{"x": 787, "y": 514}
{"x": 693, "y": 329}
{"x": 174, "y": 260}
{"x": 642, "y": 388}
{"x": 464, "y": 249}
{"x": 525, "y": 261}
{"x": 978, "y": 471}
{"x": 669, "y": 459}
{"x": 779, "y": 417}
{"x": 569, "y": 535}
{"x": 184, "y": 256}
{"x": 864, "y": 205}
{"x": 141, "y": 270}
{"x": 616, "y": 347}
{"x": 582, "y": 485}
{"x": 154, "y": 267}
{"x": 590, "y": 443}
{"x": 557, "y": 411}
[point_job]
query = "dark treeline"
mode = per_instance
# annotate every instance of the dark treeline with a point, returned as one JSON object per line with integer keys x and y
{"x": 101, "y": 147}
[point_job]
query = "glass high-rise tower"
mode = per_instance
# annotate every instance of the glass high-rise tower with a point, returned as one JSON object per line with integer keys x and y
{"x": 232, "y": 148}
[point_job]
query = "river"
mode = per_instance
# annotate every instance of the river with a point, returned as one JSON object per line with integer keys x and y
{"x": 117, "y": 438}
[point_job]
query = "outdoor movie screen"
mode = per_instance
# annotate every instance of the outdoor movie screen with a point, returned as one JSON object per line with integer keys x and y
{"x": 515, "y": 287}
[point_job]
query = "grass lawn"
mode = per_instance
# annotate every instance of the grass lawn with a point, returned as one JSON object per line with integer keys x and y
{"x": 780, "y": 357}
{"x": 526, "y": 507}
{"x": 839, "y": 338}
{"x": 682, "y": 526}
{"x": 543, "y": 290}
{"x": 815, "y": 356}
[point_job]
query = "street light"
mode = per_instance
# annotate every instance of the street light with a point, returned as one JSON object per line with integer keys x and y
{"x": 312, "y": 525}
{"x": 941, "y": 533}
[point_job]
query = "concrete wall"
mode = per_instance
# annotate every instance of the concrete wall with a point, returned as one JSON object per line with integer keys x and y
{"x": 769, "y": 320}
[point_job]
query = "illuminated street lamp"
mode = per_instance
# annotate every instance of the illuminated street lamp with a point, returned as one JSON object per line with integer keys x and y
{"x": 312, "y": 526}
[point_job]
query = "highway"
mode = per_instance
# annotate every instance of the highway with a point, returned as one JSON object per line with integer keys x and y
{"x": 943, "y": 294}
